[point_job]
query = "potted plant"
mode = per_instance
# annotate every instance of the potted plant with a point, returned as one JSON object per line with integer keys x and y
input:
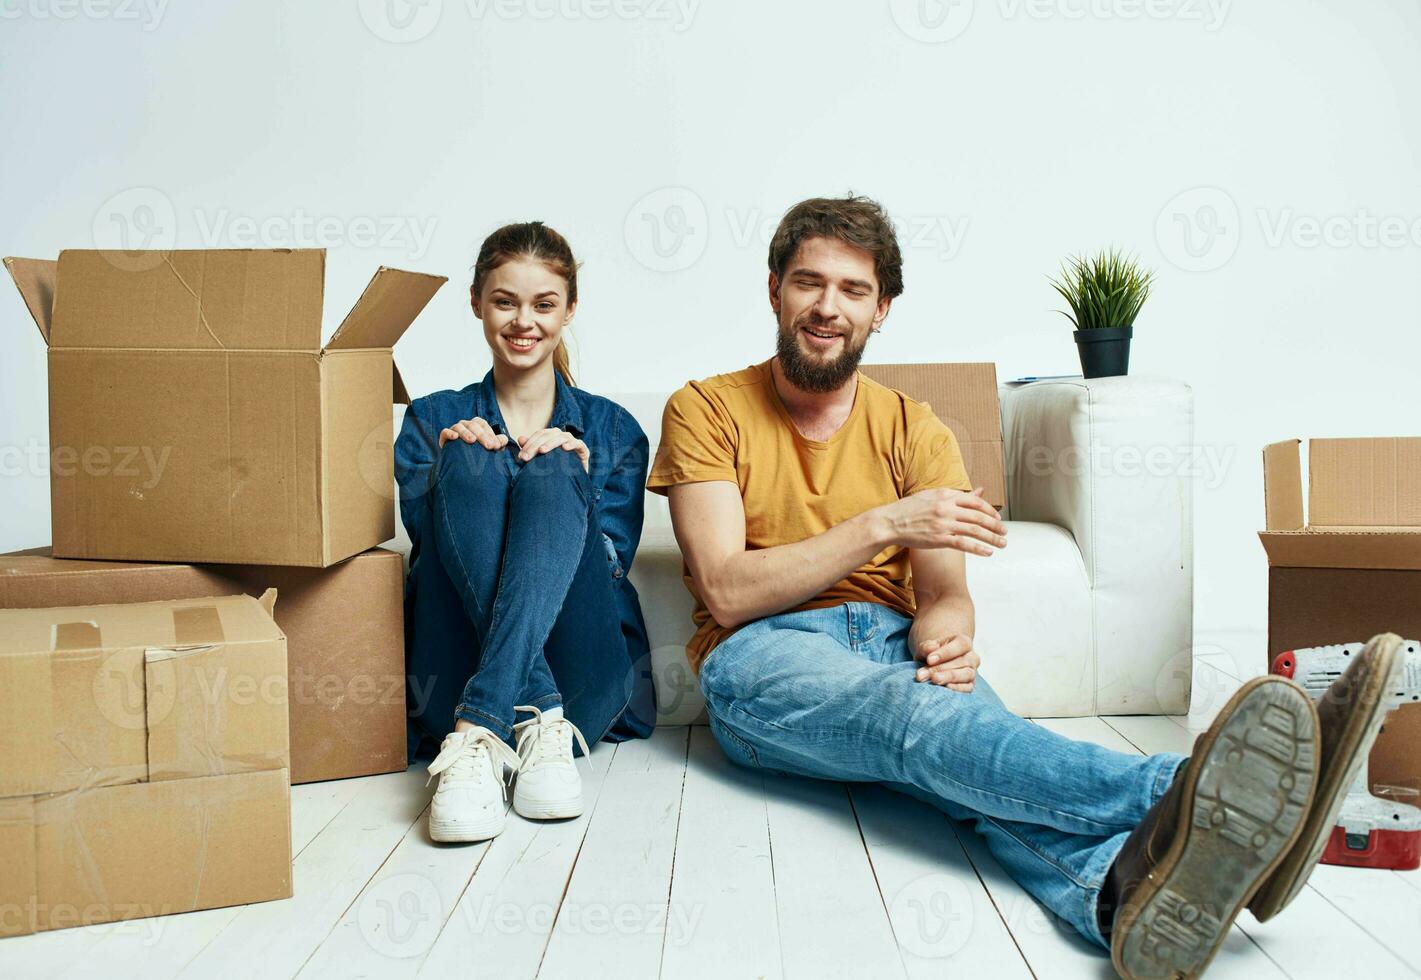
{"x": 1105, "y": 292}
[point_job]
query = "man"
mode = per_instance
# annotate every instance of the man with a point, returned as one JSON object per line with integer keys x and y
{"x": 825, "y": 519}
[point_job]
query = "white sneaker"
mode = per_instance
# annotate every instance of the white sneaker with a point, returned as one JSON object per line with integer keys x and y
{"x": 548, "y": 785}
{"x": 468, "y": 804}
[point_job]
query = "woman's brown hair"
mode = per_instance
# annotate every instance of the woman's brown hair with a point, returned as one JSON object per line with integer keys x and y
{"x": 534, "y": 240}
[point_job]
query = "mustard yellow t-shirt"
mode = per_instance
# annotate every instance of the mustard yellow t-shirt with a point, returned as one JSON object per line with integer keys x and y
{"x": 735, "y": 427}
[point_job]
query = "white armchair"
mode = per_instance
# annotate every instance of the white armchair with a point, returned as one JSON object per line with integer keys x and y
{"x": 1088, "y": 610}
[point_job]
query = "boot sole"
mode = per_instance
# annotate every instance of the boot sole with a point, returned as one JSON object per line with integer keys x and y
{"x": 1352, "y": 750}
{"x": 1244, "y": 806}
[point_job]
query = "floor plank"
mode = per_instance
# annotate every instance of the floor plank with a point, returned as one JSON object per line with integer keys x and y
{"x": 500, "y": 925}
{"x": 1088, "y": 730}
{"x": 392, "y": 924}
{"x": 832, "y": 919}
{"x": 725, "y": 880}
{"x": 942, "y": 917}
{"x": 276, "y": 938}
{"x": 615, "y": 918}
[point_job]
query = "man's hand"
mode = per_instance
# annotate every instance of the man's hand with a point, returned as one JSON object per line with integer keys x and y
{"x": 473, "y": 430}
{"x": 941, "y": 518}
{"x": 545, "y": 440}
{"x": 949, "y": 662}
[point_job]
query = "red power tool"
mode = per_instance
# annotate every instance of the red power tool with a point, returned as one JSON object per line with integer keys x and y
{"x": 1371, "y": 831}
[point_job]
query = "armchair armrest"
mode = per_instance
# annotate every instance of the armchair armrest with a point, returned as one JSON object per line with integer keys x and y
{"x": 1112, "y": 460}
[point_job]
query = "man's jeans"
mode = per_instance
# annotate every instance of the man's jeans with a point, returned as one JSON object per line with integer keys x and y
{"x": 831, "y": 693}
{"x": 518, "y": 579}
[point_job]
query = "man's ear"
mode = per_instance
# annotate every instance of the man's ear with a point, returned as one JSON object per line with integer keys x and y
{"x": 474, "y": 303}
{"x": 775, "y": 293}
{"x": 881, "y": 314}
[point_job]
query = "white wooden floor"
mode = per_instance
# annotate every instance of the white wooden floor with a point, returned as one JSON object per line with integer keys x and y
{"x": 685, "y": 866}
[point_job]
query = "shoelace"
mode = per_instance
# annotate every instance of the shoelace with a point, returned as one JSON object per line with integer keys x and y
{"x": 474, "y": 756}
{"x": 539, "y": 740}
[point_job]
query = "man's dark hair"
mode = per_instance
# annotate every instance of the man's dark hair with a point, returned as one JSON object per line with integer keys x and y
{"x": 857, "y": 221}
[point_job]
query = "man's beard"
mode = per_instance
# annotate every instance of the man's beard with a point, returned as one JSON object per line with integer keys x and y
{"x": 808, "y": 374}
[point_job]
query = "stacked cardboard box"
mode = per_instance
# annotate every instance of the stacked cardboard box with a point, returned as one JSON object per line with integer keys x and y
{"x": 344, "y": 629}
{"x": 145, "y": 761}
{"x": 196, "y": 417}
{"x": 1352, "y": 569}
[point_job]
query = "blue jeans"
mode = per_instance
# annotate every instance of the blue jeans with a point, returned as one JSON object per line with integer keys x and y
{"x": 830, "y": 693}
{"x": 511, "y": 602}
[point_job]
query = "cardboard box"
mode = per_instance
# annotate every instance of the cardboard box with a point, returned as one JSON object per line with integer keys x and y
{"x": 344, "y": 629}
{"x": 195, "y": 416}
{"x": 143, "y": 761}
{"x": 1354, "y": 569}
{"x": 964, "y": 397}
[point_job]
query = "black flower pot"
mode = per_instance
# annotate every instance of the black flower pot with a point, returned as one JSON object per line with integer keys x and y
{"x": 1105, "y": 351}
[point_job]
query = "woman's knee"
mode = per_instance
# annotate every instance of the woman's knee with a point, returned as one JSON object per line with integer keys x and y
{"x": 552, "y": 473}
{"x": 465, "y": 464}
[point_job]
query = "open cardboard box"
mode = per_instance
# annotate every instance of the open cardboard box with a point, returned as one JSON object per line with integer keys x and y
{"x": 1352, "y": 568}
{"x": 195, "y": 415}
{"x": 143, "y": 761}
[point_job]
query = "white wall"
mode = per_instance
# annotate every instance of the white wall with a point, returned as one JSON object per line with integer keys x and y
{"x": 1004, "y": 133}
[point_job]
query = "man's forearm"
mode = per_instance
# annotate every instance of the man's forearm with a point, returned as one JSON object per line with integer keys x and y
{"x": 753, "y": 584}
{"x": 940, "y": 616}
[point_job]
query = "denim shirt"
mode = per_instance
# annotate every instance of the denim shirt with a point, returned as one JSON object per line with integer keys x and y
{"x": 617, "y": 468}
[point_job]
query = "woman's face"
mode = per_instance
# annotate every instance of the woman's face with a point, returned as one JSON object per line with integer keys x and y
{"x": 523, "y": 306}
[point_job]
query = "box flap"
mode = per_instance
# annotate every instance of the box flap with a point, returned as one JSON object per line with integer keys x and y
{"x": 134, "y": 625}
{"x": 35, "y": 280}
{"x": 385, "y": 310}
{"x": 964, "y": 397}
{"x": 1364, "y": 482}
{"x": 1282, "y": 486}
{"x": 218, "y": 299}
{"x": 1397, "y": 547}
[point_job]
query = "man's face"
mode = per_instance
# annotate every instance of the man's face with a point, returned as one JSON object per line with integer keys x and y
{"x": 827, "y": 304}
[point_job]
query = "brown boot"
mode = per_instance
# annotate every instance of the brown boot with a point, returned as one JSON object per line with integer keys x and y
{"x": 1349, "y": 716}
{"x": 1230, "y": 815}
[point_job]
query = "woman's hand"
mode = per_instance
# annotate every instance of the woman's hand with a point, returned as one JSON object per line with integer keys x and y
{"x": 473, "y": 430}
{"x": 545, "y": 440}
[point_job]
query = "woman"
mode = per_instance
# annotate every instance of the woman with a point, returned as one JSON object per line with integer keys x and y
{"x": 522, "y": 496}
